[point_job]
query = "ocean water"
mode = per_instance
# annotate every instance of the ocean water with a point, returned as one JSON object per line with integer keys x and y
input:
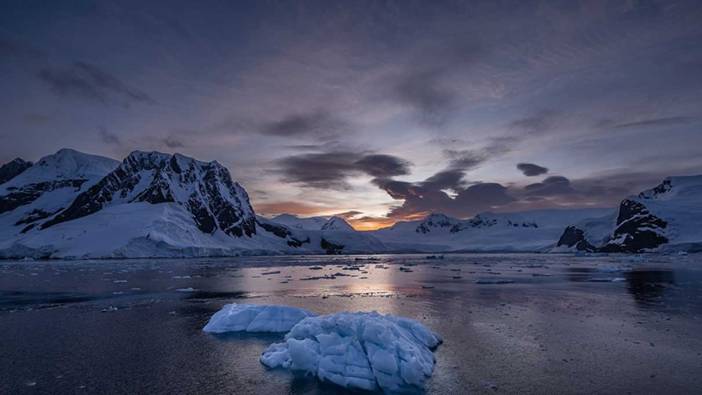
{"x": 527, "y": 323}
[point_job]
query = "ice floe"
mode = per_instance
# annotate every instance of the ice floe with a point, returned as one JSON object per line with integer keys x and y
{"x": 366, "y": 351}
{"x": 255, "y": 318}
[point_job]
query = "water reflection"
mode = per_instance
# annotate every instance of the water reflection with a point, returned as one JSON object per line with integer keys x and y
{"x": 649, "y": 286}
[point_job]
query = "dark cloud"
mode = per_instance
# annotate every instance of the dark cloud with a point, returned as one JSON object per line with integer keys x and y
{"x": 330, "y": 170}
{"x": 446, "y": 191}
{"x": 468, "y": 159}
{"x": 108, "y": 137}
{"x": 465, "y": 159}
{"x": 482, "y": 196}
{"x": 445, "y": 179}
{"x": 430, "y": 196}
{"x": 89, "y": 82}
{"x": 550, "y": 186}
{"x": 424, "y": 93}
{"x": 173, "y": 142}
{"x": 666, "y": 121}
{"x": 317, "y": 123}
{"x": 426, "y": 198}
{"x": 531, "y": 170}
{"x": 382, "y": 166}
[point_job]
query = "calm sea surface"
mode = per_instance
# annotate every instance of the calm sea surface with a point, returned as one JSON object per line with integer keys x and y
{"x": 511, "y": 323}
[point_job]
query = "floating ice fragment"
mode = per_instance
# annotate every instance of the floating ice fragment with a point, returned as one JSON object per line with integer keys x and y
{"x": 255, "y": 318}
{"x": 494, "y": 282}
{"x": 366, "y": 351}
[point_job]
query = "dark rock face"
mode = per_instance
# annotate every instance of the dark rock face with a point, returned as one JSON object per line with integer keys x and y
{"x": 297, "y": 243}
{"x": 12, "y": 169}
{"x": 331, "y": 248}
{"x": 283, "y": 232}
{"x": 31, "y": 192}
{"x": 434, "y": 221}
{"x": 475, "y": 222}
{"x": 660, "y": 189}
{"x": 575, "y": 237}
{"x": 205, "y": 189}
{"x": 35, "y": 215}
{"x": 277, "y": 230}
{"x": 637, "y": 229}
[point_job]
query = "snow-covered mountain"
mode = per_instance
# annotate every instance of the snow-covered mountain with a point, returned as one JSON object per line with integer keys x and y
{"x": 47, "y": 187}
{"x": 314, "y": 223}
{"x": 520, "y": 231}
{"x": 666, "y": 217}
{"x": 72, "y": 204}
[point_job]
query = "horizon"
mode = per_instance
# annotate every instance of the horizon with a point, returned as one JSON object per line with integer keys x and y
{"x": 362, "y": 225}
{"x": 378, "y": 111}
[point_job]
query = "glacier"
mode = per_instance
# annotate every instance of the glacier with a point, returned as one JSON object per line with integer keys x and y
{"x": 367, "y": 351}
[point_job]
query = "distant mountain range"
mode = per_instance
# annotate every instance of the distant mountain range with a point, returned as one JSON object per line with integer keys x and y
{"x": 74, "y": 205}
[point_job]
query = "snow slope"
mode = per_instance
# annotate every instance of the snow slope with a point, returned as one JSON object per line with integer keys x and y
{"x": 293, "y": 221}
{"x": 46, "y": 188}
{"x": 313, "y": 223}
{"x": 367, "y": 351}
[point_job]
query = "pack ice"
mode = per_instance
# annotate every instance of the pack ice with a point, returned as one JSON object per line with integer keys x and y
{"x": 255, "y": 318}
{"x": 366, "y": 351}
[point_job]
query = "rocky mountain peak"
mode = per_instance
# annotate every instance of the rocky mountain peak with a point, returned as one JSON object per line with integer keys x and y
{"x": 204, "y": 188}
{"x": 12, "y": 169}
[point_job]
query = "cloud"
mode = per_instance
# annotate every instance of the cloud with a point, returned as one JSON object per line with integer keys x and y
{"x": 465, "y": 159}
{"x": 554, "y": 185}
{"x": 531, "y": 170}
{"x": 173, "y": 142}
{"x": 349, "y": 214}
{"x": 381, "y": 166}
{"x": 317, "y": 123}
{"x": 665, "y": 121}
{"x": 370, "y": 222}
{"x": 108, "y": 137}
{"x": 445, "y": 179}
{"x": 429, "y": 196}
{"x": 330, "y": 170}
{"x": 89, "y": 82}
{"x": 423, "y": 92}
{"x": 468, "y": 159}
{"x": 539, "y": 122}
{"x": 447, "y": 191}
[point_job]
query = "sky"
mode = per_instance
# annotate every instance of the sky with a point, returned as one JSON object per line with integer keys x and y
{"x": 379, "y": 111}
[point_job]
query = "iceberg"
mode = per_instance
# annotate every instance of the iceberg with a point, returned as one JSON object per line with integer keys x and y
{"x": 367, "y": 351}
{"x": 255, "y": 318}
